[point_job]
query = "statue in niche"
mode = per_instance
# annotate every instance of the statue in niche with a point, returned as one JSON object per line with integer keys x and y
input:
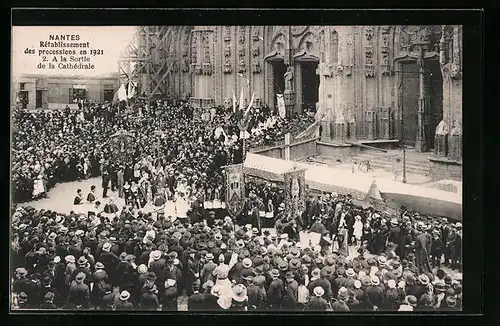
{"x": 288, "y": 78}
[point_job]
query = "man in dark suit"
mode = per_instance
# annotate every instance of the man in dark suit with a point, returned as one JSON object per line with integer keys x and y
{"x": 276, "y": 291}
{"x": 196, "y": 301}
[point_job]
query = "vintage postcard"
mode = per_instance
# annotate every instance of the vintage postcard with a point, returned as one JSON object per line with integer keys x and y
{"x": 237, "y": 168}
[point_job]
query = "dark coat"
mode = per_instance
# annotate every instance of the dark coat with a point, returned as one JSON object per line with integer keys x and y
{"x": 79, "y": 294}
{"x": 196, "y": 302}
{"x": 316, "y": 304}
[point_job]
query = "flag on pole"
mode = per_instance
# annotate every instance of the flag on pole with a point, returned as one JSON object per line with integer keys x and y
{"x": 241, "y": 98}
{"x": 250, "y": 104}
{"x": 122, "y": 93}
{"x": 281, "y": 105}
{"x": 234, "y": 102}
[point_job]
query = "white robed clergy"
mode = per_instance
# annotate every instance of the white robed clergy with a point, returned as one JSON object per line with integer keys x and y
{"x": 38, "y": 187}
{"x": 181, "y": 206}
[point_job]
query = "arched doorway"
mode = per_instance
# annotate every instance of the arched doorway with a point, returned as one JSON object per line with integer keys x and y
{"x": 410, "y": 93}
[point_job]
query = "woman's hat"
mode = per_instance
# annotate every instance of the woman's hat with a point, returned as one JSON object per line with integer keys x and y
{"x": 124, "y": 295}
{"x": 218, "y": 236}
{"x": 350, "y": 272}
{"x": 216, "y": 290}
{"x": 318, "y": 291}
{"x": 240, "y": 293}
{"x": 316, "y": 272}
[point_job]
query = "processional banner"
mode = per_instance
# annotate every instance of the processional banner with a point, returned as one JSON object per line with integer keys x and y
{"x": 235, "y": 189}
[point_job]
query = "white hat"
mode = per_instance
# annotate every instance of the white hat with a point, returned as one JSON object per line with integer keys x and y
{"x": 318, "y": 291}
{"x": 57, "y": 259}
{"x": 391, "y": 284}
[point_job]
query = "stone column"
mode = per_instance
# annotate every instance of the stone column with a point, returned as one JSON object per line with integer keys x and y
{"x": 341, "y": 84}
{"x": 420, "y": 143}
{"x": 448, "y": 137}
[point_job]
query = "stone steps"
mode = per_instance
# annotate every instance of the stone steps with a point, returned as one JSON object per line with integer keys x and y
{"x": 385, "y": 161}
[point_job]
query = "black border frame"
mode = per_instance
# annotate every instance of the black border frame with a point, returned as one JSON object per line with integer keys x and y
{"x": 473, "y": 152}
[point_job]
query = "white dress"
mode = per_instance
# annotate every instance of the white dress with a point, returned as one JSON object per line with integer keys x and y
{"x": 358, "y": 229}
{"x": 181, "y": 207}
{"x": 169, "y": 209}
{"x": 38, "y": 187}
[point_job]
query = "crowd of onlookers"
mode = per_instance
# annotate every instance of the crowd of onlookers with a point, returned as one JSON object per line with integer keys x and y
{"x": 152, "y": 261}
{"x": 59, "y": 146}
{"x": 335, "y": 255}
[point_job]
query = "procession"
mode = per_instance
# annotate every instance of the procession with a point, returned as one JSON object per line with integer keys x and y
{"x": 161, "y": 212}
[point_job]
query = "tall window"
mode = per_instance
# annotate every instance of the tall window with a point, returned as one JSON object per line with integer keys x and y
{"x": 22, "y": 86}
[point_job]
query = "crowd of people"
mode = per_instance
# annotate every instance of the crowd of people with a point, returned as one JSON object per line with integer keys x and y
{"x": 334, "y": 256}
{"x": 147, "y": 261}
{"x": 69, "y": 145}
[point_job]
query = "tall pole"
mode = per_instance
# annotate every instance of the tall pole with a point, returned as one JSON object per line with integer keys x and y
{"x": 402, "y": 124}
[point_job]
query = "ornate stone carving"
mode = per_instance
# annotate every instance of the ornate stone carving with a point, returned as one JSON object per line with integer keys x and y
{"x": 451, "y": 70}
{"x": 369, "y": 33}
{"x": 207, "y": 68}
{"x": 255, "y": 49}
{"x": 421, "y": 35}
{"x": 227, "y": 67}
{"x": 348, "y": 70}
{"x": 384, "y": 53}
{"x": 241, "y": 67}
{"x": 241, "y": 52}
{"x": 369, "y": 67}
{"x": 197, "y": 69}
{"x": 255, "y": 66}
{"x": 241, "y": 35}
{"x": 255, "y": 33}
{"x": 227, "y": 33}
{"x": 385, "y": 29}
{"x": 227, "y": 50}
{"x": 194, "y": 48}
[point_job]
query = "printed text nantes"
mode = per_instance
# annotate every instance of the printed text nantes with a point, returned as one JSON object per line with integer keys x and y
{"x": 64, "y": 40}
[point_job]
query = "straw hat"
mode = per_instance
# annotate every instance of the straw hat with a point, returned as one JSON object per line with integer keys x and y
{"x": 124, "y": 295}
{"x": 318, "y": 291}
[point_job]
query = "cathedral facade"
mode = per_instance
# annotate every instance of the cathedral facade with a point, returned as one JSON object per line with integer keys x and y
{"x": 377, "y": 83}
